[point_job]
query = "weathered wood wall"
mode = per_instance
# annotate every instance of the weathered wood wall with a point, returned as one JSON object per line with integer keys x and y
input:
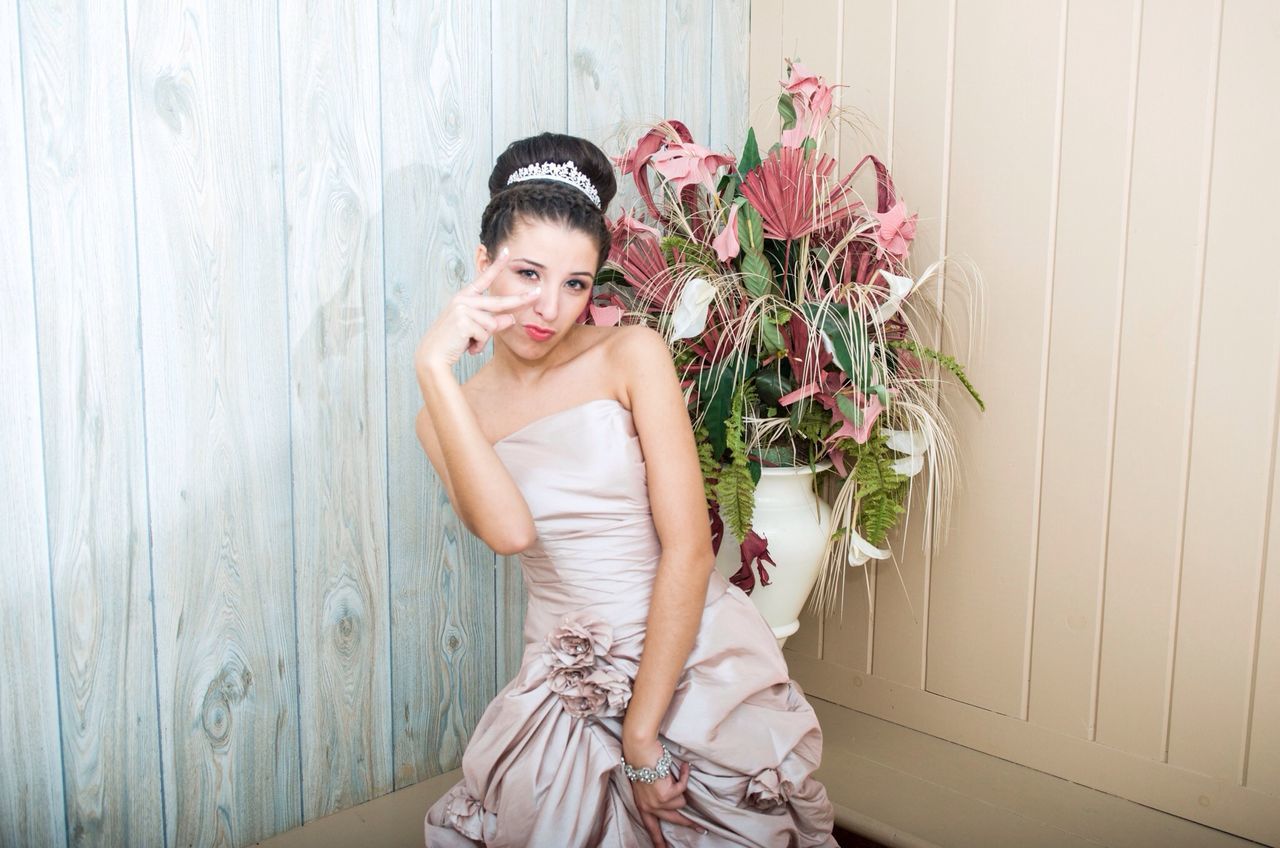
{"x": 235, "y": 598}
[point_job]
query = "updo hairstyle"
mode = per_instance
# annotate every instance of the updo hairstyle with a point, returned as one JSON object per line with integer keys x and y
{"x": 548, "y": 200}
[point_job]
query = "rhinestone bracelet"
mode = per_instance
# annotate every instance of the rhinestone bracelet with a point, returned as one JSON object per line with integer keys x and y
{"x": 648, "y": 774}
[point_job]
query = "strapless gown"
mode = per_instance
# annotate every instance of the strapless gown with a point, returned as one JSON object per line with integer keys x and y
{"x": 542, "y": 766}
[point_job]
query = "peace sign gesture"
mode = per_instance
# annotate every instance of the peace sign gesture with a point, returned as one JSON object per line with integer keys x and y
{"x": 470, "y": 318}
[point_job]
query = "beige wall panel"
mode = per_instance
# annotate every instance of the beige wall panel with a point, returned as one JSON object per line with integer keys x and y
{"x": 999, "y": 209}
{"x": 914, "y": 146}
{"x": 1261, "y": 766}
{"x": 1083, "y": 347}
{"x": 1234, "y": 410}
{"x": 1160, "y": 289}
{"x": 526, "y": 35}
{"x": 206, "y": 129}
{"x": 766, "y": 69}
{"x": 31, "y": 796}
{"x": 333, "y": 200}
{"x": 437, "y": 152}
{"x": 816, "y": 47}
{"x": 77, "y": 94}
{"x": 865, "y": 69}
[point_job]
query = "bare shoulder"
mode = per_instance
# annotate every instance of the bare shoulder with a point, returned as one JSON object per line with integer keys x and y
{"x": 640, "y": 354}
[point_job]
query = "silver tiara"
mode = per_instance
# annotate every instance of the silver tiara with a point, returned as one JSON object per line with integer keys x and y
{"x": 566, "y": 173}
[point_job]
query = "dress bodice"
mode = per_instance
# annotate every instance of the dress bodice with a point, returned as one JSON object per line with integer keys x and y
{"x": 582, "y": 472}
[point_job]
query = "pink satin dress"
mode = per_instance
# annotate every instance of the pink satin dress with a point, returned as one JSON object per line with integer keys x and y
{"x": 542, "y": 767}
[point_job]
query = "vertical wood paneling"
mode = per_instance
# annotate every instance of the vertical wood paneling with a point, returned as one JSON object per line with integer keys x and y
{"x": 1260, "y": 768}
{"x": 524, "y": 104}
{"x": 863, "y": 38}
{"x": 730, "y": 49}
{"x": 1237, "y": 349}
{"x": 917, "y": 86}
{"x": 31, "y": 789}
{"x": 765, "y": 69}
{"x": 333, "y": 202}
{"x": 1082, "y": 350}
{"x": 999, "y": 213}
{"x": 76, "y": 71}
{"x": 206, "y": 110}
{"x": 617, "y": 79}
{"x": 690, "y": 39}
{"x": 1161, "y": 288}
{"x": 437, "y": 152}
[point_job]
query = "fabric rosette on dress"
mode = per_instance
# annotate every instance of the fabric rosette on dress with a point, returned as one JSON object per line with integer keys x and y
{"x": 582, "y": 671}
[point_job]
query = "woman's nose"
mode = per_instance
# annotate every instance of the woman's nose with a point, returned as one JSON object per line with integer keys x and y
{"x": 547, "y": 304}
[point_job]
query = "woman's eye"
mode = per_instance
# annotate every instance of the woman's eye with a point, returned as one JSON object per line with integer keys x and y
{"x": 528, "y": 271}
{"x": 578, "y": 284}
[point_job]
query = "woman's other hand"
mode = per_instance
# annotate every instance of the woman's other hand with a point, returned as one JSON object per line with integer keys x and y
{"x": 470, "y": 318}
{"x": 661, "y": 799}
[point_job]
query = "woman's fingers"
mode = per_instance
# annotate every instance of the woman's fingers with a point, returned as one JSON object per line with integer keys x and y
{"x": 655, "y": 829}
{"x": 677, "y": 818}
{"x": 499, "y": 302}
{"x": 480, "y": 283}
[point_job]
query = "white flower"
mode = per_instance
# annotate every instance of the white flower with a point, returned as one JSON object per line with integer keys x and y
{"x": 899, "y": 287}
{"x": 861, "y": 550}
{"x": 690, "y": 315}
{"x": 911, "y": 442}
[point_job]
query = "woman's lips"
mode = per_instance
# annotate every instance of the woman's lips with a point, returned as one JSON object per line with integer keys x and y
{"x": 537, "y": 333}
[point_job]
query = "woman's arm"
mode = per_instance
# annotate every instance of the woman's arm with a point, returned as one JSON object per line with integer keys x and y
{"x": 679, "y": 509}
{"x": 482, "y": 491}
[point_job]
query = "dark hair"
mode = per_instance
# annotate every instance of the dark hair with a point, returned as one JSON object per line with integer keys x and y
{"x": 548, "y": 200}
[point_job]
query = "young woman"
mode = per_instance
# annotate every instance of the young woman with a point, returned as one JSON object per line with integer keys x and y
{"x": 652, "y": 705}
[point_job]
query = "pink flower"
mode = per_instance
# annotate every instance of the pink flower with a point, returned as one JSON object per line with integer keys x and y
{"x": 726, "y": 243}
{"x": 637, "y": 250}
{"x": 577, "y": 640}
{"x": 790, "y": 191}
{"x": 581, "y": 667}
{"x": 566, "y": 680}
{"x": 812, "y": 100}
{"x": 465, "y": 814}
{"x": 897, "y": 229}
{"x": 801, "y": 81}
{"x": 583, "y": 701}
{"x": 686, "y": 163}
{"x": 768, "y": 789}
{"x": 614, "y": 686}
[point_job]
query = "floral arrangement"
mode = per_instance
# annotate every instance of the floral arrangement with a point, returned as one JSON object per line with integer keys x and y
{"x": 793, "y": 319}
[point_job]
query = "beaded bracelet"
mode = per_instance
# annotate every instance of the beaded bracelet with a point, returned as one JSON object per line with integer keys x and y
{"x": 649, "y": 774}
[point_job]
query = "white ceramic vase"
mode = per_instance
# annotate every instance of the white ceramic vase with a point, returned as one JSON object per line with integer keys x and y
{"x": 796, "y": 522}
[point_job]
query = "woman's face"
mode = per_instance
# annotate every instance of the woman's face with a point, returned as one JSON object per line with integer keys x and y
{"x": 560, "y": 260}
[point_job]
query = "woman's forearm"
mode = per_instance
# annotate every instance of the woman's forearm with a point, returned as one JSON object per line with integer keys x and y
{"x": 675, "y": 614}
{"x": 487, "y": 499}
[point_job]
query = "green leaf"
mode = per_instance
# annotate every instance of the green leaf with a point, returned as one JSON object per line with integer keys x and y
{"x": 769, "y": 333}
{"x": 772, "y": 384}
{"x": 750, "y": 228}
{"x": 757, "y": 275}
{"x": 698, "y": 254}
{"x": 735, "y": 490}
{"x": 715, "y": 390}
{"x": 750, "y": 154}
{"x": 946, "y": 362}
{"x": 850, "y": 409}
{"x": 787, "y": 110}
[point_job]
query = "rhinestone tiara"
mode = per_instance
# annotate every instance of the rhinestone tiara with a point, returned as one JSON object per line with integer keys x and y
{"x": 566, "y": 173}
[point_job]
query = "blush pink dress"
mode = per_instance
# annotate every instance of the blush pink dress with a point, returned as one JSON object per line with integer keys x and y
{"x": 542, "y": 766}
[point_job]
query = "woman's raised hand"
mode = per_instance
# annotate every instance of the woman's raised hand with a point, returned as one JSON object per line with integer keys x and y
{"x": 470, "y": 318}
